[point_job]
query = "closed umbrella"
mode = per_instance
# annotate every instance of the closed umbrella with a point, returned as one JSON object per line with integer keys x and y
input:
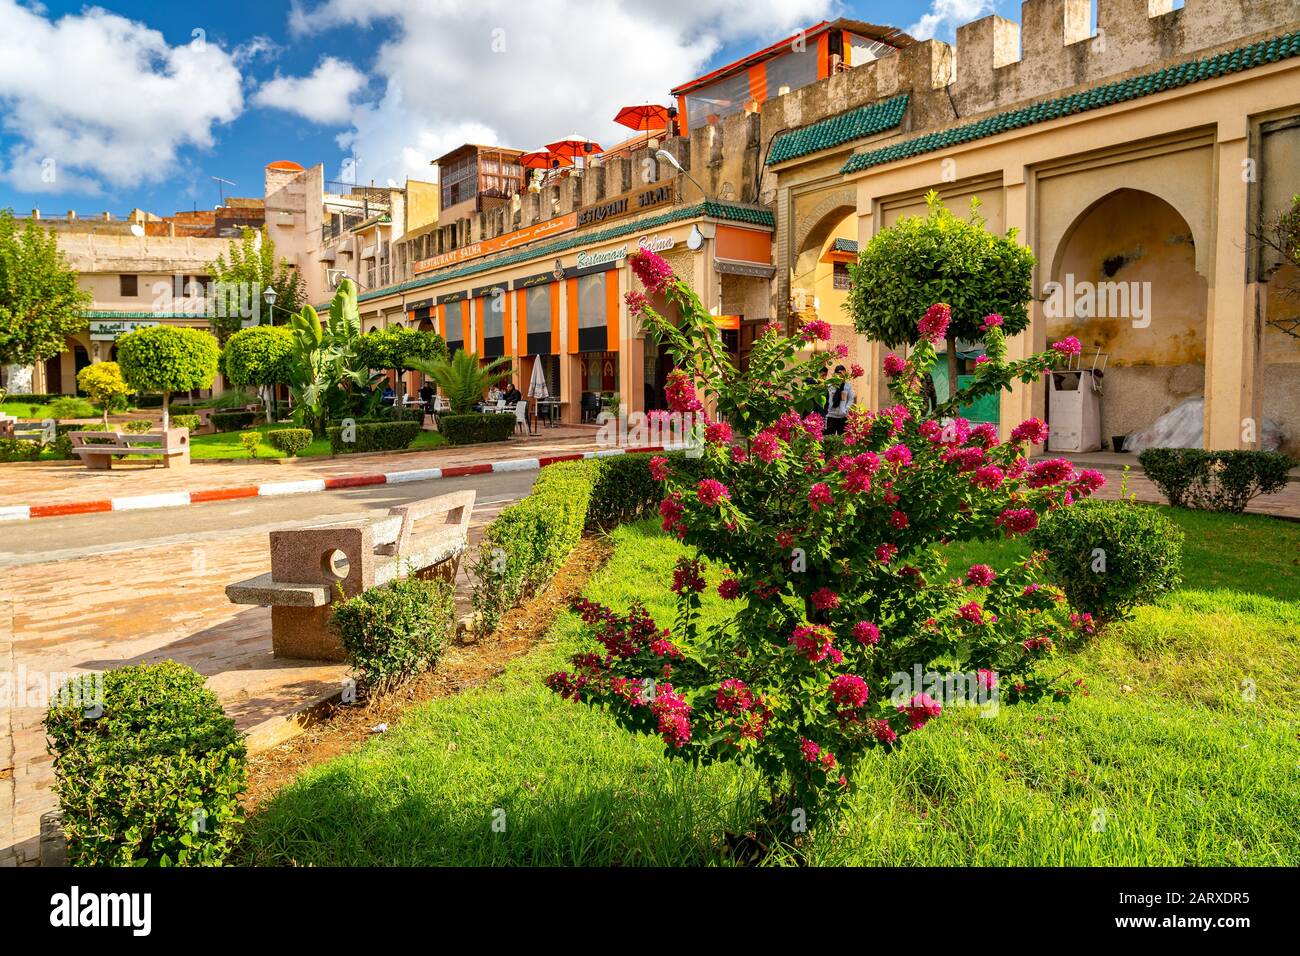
{"x": 537, "y": 388}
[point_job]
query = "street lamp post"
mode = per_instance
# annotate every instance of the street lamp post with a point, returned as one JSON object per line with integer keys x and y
{"x": 270, "y": 295}
{"x": 664, "y": 156}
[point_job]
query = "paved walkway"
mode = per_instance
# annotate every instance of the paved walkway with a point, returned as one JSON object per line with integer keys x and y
{"x": 148, "y": 604}
{"x": 55, "y": 482}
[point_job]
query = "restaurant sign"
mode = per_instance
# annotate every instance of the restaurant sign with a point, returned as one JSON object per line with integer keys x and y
{"x": 112, "y": 331}
{"x": 655, "y": 243}
{"x": 628, "y": 204}
{"x": 509, "y": 240}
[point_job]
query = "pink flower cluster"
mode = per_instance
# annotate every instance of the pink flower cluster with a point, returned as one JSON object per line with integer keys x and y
{"x": 729, "y": 589}
{"x": 894, "y": 366}
{"x": 674, "y": 716}
{"x": 1032, "y": 430}
{"x": 849, "y": 690}
{"x": 990, "y": 322}
{"x": 659, "y": 468}
{"x": 711, "y": 492}
{"x": 980, "y": 575}
{"x": 934, "y": 324}
{"x": 818, "y": 495}
{"x": 1067, "y": 346}
{"x": 813, "y": 642}
{"x": 734, "y": 696}
{"x": 655, "y": 273}
{"x": 866, "y": 632}
{"x": 813, "y": 753}
{"x": 679, "y": 391}
{"x": 1016, "y": 521}
{"x": 920, "y": 710}
{"x": 717, "y": 433}
{"x": 687, "y": 576}
{"x": 818, "y": 330}
{"x": 824, "y": 599}
{"x": 636, "y": 302}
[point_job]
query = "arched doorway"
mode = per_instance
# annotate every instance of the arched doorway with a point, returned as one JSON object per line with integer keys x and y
{"x": 1124, "y": 282}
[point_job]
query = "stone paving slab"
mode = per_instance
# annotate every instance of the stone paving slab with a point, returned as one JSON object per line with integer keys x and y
{"x": 91, "y": 614}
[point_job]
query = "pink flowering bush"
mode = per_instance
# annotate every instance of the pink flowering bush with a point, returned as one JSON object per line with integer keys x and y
{"x": 833, "y": 571}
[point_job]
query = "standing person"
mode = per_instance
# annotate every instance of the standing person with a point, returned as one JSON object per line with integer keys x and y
{"x": 839, "y": 398}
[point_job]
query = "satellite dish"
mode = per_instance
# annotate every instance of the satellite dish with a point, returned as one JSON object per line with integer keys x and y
{"x": 137, "y": 229}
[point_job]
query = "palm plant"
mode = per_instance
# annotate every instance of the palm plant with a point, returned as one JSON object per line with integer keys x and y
{"x": 325, "y": 367}
{"x": 462, "y": 380}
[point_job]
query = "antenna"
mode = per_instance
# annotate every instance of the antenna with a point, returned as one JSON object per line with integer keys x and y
{"x": 221, "y": 184}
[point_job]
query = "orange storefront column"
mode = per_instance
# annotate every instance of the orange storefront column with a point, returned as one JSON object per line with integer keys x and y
{"x": 480, "y": 320}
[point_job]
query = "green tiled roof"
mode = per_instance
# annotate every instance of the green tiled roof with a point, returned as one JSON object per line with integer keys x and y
{"x": 130, "y": 314}
{"x": 844, "y": 245}
{"x": 1171, "y": 78}
{"x": 836, "y": 130}
{"x": 750, "y": 215}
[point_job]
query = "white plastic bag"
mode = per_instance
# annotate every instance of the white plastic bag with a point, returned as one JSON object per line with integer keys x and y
{"x": 1184, "y": 427}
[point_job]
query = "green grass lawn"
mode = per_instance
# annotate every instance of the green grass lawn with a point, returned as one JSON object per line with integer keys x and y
{"x": 1181, "y": 764}
{"x": 227, "y": 444}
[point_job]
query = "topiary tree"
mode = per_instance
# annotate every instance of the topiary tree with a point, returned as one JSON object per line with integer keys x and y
{"x": 462, "y": 379}
{"x": 166, "y": 359}
{"x": 919, "y": 261}
{"x": 391, "y": 348}
{"x": 261, "y": 356}
{"x": 40, "y": 302}
{"x": 104, "y": 384}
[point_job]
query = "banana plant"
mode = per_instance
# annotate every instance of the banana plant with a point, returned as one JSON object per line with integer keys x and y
{"x": 326, "y": 372}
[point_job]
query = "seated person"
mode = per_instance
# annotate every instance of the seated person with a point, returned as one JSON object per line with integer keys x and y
{"x": 512, "y": 394}
{"x": 494, "y": 395}
{"x": 428, "y": 393}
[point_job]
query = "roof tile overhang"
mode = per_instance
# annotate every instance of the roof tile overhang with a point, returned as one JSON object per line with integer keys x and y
{"x": 837, "y": 130}
{"x": 1174, "y": 77}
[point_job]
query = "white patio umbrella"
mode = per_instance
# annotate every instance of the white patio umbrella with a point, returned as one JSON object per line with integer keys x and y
{"x": 537, "y": 386}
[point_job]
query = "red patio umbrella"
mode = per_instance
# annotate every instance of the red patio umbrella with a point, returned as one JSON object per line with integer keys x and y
{"x": 542, "y": 159}
{"x": 646, "y": 117}
{"x": 574, "y": 147}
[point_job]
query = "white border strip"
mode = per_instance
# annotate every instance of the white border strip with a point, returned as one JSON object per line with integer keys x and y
{"x": 171, "y": 499}
{"x": 16, "y": 513}
{"x": 290, "y": 487}
{"x": 415, "y": 474}
{"x": 517, "y": 464}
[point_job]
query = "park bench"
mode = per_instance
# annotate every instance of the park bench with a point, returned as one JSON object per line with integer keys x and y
{"x": 97, "y": 449}
{"x": 312, "y": 568}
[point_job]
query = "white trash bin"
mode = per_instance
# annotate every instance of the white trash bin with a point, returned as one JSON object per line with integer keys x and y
{"x": 1075, "y": 411}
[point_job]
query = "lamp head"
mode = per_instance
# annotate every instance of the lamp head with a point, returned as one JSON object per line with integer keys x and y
{"x": 666, "y": 157}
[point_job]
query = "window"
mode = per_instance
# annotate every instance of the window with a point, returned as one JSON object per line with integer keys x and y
{"x": 455, "y": 330}
{"x": 493, "y": 309}
{"x": 591, "y": 301}
{"x": 840, "y": 276}
{"x": 538, "y": 309}
{"x": 720, "y": 99}
{"x": 459, "y": 180}
{"x": 128, "y": 286}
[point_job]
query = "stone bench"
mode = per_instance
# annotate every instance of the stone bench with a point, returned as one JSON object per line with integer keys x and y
{"x": 98, "y": 449}
{"x": 310, "y": 566}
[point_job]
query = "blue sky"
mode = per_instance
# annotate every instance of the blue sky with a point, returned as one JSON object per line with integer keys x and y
{"x": 139, "y": 104}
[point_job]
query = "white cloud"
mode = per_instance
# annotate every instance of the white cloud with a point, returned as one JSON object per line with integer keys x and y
{"x": 502, "y": 72}
{"x": 945, "y": 16}
{"x": 94, "y": 99}
{"x": 323, "y": 96}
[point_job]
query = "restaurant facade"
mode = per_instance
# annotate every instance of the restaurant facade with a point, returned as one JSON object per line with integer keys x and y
{"x": 553, "y": 292}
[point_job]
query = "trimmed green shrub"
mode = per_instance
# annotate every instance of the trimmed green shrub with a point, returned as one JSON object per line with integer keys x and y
{"x": 1110, "y": 556}
{"x": 186, "y": 421}
{"x": 624, "y": 490}
{"x": 19, "y": 449}
{"x": 232, "y": 421}
{"x": 473, "y": 429}
{"x": 525, "y": 545}
{"x": 250, "y": 441}
{"x": 167, "y": 359}
{"x": 393, "y": 632}
{"x": 289, "y": 440}
{"x": 138, "y": 426}
{"x": 1215, "y": 480}
{"x": 373, "y": 436}
{"x": 147, "y": 401}
{"x": 68, "y": 407}
{"x": 147, "y": 767}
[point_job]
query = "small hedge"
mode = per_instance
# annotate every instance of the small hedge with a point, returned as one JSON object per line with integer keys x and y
{"x": 186, "y": 421}
{"x": 232, "y": 421}
{"x": 147, "y": 767}
{"x": 34, "y": 398}
{"x": 528, "y": 542}
{"x": 138, "y": 426}
{"x": 1215, "y": 480}
{"x": 525, "y": 545}
{"x": 1110, "y": 556}
{"x": 474, "y": 429}
{"x": 393, "y": 632}
{"x": 373, "y": 436}
{"x": 289, "y": 440}
{"x": 19, "y": 449}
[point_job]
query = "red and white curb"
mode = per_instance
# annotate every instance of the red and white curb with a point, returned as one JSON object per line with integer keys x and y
{"x": 275, "y": 489}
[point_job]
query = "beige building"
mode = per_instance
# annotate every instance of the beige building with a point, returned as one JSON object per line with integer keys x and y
{"x": 1134, "y": 160}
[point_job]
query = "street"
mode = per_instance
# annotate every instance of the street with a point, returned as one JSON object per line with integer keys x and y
{"x": 82, "y": 536}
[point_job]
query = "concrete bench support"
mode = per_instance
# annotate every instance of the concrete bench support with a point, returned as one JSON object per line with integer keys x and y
{"x": 312, "y": 568}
